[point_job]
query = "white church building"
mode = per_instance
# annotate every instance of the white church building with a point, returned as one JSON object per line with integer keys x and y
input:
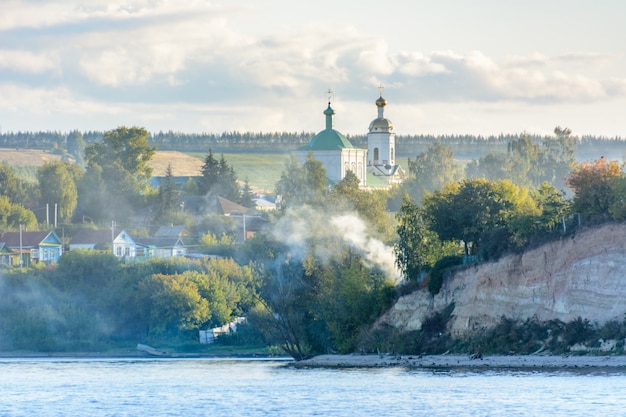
{"x": 336, "y": 153}
{"x": 381, "y": 147}
{"x": 339, "y": 156}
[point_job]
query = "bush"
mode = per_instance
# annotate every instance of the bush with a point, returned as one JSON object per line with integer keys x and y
{"x": 436, "y": 274}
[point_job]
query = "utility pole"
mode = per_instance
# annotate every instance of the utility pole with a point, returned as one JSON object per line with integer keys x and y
{"x": 21, "y": 256}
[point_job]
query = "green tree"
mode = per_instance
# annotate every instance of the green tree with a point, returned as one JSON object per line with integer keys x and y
{"x": 247, "y": 196}
{"x": 592, "y": 183}
{"x": 94, "y": 200}
{"x": 431, "y": 170}
{"x": 57, "y": 186}
{"x": 219, "y": 178}
{"x": 523, "y": 163}
{"x": 492, "y": 166}
{"x": 13, "y": 187}
{"x": 418, "y": 247}
{"x": 302, "y": 184}
{"x": 14, "y": 215}
{"x": 76, "y": 147}
{"x": 468, "y": 209}
{"x": 558, "y": 157}
{"x": 176, "y": 304}
{"x": 168, "y": 197}
{"x": 125, "y": 149}
{"x": 120, "y": 163}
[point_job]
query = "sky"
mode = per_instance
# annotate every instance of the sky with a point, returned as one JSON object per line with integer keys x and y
{"x": 446, "y": 67}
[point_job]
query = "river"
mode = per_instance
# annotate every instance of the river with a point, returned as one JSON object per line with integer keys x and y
{"x": 242, "y": 387}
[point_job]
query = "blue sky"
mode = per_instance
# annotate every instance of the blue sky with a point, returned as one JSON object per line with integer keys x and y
{"x": 448, "y": 67}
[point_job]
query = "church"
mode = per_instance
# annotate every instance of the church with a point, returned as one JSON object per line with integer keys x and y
{"x": 339, "y": 156}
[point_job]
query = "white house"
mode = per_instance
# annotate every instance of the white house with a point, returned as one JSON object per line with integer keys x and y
{"x": 122, "y": 244}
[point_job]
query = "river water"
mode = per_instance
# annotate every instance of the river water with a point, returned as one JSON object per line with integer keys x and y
{"x": 220, "y": 387}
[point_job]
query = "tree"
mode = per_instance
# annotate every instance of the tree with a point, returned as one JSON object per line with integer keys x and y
{"x": 12, "y": 187}
{"x": 247, "y": 196}
{"x": 558, "y": 157}
{"x": 431, "y": 170}
{"x": 124, "y": 148}
{"x": 76, "y": 147}
{"x": 14, "y": 215}
{"x": 492, "y": 166}
{"x": 468, "y": 209}
{"x": 218, "y": 178}
{"x": 523, "y": 160}
{"x": 120, "y": 164}
{"x": 168, "y": 197}
{"x": 370, "y": 205}
{"x": 417, "y": 248}
{"x": 593, "y": 189}
{"x": 176, "y": 304}
{"x": 301, "y": 184}
{"x": 57, "y": 186}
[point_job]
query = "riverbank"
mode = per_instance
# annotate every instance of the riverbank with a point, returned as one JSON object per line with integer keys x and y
{"x": 464, "y": 361}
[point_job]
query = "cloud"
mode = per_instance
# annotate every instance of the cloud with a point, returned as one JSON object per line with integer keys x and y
{"x": 252, "y": 70}
{"x": 28, "y": 62}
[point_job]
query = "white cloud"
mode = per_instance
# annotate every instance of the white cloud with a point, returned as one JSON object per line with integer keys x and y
{"x": 28, "y": 62}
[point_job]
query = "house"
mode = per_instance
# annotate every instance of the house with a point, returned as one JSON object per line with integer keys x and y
{"x": 32, "y": 247}
{"x": 7, "y": 256}
{"x": 160, "y": 247}
{"x": 121, "y": 242}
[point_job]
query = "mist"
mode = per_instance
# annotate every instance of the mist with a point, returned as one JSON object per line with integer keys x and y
{"x": 302, "y": 228}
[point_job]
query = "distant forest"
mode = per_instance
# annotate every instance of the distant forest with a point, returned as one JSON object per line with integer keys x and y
{"x": 463, "y": 146}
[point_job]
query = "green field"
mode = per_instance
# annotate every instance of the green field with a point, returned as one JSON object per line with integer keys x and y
{"x": 262, "y": 170}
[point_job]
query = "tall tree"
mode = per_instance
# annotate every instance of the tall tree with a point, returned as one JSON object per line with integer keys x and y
{"x": 76, "y": 147}
{"x": 219, "y": 178}
{"x": 301, "y": 184}
{"x": 415, "y": 242}
{"x": 121, "y": 163}
{"x": 431, "y": 170}
{"x": 558, "y": 158}
{"x": 57, "y": 187}
{"x": 168, "y": 197}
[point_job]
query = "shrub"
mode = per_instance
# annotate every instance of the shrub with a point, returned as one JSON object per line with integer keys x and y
{"x": 436, "y": 274}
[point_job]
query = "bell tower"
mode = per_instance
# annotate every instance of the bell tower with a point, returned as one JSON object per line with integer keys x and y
{"x": 381, "y": 139}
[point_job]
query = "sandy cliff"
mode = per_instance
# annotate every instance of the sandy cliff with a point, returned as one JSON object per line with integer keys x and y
{"x": 584, "y": 276}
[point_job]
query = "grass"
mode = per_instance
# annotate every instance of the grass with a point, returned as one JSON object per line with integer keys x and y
{"x": 262, "y": 170}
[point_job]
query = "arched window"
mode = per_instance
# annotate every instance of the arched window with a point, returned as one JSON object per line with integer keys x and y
{"x": 375, "y": 156}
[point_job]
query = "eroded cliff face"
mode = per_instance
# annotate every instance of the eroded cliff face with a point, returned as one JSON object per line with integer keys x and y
{"x": 580, "y": 276}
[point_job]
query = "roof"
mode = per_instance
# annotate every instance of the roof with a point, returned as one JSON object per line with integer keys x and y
{"x": 87, "y": 236}
{"x": 380, "y": 123}
{"x": 227, "y": 207}
{"x": 329, "y": 138}
{"x": 160, "y": 242}
{"x": 29, "y": 239}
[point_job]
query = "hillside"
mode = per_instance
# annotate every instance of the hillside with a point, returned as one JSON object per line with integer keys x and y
{"x": 579, "y": 276}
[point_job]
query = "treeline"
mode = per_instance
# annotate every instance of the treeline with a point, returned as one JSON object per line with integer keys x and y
{"x": 464, "y": 146}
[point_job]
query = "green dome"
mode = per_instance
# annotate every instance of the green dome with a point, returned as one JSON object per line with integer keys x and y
{"x": 329, "y": 138}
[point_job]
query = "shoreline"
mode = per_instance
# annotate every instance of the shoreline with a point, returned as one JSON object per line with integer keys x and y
{"x": 443, "y": 362}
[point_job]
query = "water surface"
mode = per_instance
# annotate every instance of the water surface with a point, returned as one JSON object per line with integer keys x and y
{"x": 219, "y": 387}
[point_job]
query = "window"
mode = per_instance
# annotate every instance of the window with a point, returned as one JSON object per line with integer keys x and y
{"x": 375, "y": 156}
